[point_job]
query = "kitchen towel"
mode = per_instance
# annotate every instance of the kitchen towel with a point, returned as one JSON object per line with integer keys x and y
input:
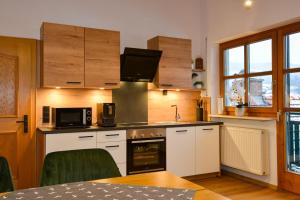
{"x": 99, "y": 191}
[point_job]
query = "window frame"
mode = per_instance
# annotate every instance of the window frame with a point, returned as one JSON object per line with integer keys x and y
{"x": 245, "y": 41}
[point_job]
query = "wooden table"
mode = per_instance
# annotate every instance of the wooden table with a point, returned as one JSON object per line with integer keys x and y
{"x": 163, "y": 179}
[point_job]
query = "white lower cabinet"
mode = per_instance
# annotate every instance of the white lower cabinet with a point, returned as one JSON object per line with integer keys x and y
{"x": 190, "y": 150}
{"x": 112, "y": 141}
{"x": 115, "y": 143}
{"x": 181, "y": 150}
{"x": 207, "y": 149}
{"x": 193, "y": 150}
{"x": 122, "y": 168}
{"x": 70, "y": 141}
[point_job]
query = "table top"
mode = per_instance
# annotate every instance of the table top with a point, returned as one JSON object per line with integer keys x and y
{"x": 163, "y": 179}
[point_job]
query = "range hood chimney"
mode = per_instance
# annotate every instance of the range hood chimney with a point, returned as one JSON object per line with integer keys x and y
{"x": 139, "y": 65}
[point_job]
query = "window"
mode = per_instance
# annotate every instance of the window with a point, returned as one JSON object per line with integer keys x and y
{"x": 248, "y": 72}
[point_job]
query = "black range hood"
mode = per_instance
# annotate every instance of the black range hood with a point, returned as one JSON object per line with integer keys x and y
{"x": 139, "y": 65}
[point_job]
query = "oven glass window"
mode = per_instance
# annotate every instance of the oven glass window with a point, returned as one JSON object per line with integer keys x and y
{"x": 146, "y": 154}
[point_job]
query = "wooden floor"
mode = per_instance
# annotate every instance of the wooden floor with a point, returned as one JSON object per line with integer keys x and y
{"x": 237, "y": 189}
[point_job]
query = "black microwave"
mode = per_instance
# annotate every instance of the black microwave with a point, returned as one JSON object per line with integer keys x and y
{"x": 72, "y": 117}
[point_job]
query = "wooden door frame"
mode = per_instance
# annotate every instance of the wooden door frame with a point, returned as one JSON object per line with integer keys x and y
{"x": 27, "y": 49}
{"x": 286, "y": 180}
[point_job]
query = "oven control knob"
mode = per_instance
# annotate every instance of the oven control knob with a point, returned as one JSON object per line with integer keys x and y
{"x": 88, "y": 118}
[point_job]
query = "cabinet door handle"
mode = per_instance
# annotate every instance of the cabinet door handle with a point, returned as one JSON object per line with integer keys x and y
{"x": 207, "y": 129}
{"x": 110, "y": 135}
{"x": 112, "y": 146}
{"x": 181, "y": 131}
{"x": 111, "y": 83}
{"x": 74, "y": 82}
{"x": 88, "y": 136}
{"x": 166, "y": 85}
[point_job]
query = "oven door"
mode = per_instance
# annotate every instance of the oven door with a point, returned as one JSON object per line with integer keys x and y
{"x": 146, "y": 155}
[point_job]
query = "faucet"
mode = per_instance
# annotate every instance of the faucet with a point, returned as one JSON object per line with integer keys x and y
{"x": 177, "y": 116}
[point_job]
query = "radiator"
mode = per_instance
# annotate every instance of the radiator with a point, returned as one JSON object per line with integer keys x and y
{"x": 245, "y": 149}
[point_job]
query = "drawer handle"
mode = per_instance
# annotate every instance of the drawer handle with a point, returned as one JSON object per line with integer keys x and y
{"x": 73, "y": 82}
{"x": 207, "y": 129}
{"x": 181, "y": 131}
{"x": 110, "y": 135}
{"x": 112, "y": 146}
{"x": 88, "y": 136}
{"x": 111, "y": 83}
{"x": 166, "y": 85}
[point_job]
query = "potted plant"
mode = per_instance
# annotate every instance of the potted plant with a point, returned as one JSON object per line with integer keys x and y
{"x": 241, "y": 109}
{"x": 237, "y": 98}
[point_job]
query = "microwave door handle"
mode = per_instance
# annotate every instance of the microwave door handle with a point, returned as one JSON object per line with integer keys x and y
{"x": 84, "y": 116}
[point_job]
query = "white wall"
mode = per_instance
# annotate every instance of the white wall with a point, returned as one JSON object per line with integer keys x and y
{"x": 138, "y": 20}
{"x": 228, "y": 19}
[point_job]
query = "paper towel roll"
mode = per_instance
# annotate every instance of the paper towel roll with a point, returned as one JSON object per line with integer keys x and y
{"x": 220, "y": 104}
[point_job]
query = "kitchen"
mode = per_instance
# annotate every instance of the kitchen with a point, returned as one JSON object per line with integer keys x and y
{"x": 128, "y": 96}
{"x": 77, "y": 83}
{"x": 89, "y": 96}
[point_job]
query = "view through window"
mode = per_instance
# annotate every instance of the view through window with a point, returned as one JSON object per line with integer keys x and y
{"x": 256, "y": 73}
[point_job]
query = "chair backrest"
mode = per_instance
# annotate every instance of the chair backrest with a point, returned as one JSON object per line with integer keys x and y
{"x": 6, "y": 183}
{"x": 78, "y": 165}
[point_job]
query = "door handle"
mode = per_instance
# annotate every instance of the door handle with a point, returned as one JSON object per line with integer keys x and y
{"x": 73, "y": 82}
{"x": 207, "y": 129}
{"x": 112, "y": 146}
{"x": 278, "y": 115}
{"x": 110, "y": 135}
{"x": 25, "y": 122}
{"x": 88, "y": 136}
{"x": 182, "y": 131}
{"x": 111, "y": 83}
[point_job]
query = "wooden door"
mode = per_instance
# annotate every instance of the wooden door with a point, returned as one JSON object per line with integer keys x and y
{"x": 175, "y": 69}
{"x": 288, "y": 137}
{"x": 17, "y": 98}
{"x": 102, "y": 58}
{"x": 62, "y": 56}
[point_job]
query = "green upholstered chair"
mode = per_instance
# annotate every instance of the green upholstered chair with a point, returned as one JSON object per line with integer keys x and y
{"x": 6, "y": 183}
{"x": 78, "y": 165}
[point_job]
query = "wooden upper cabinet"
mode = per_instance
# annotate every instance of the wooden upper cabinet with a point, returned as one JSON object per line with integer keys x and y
{"x": 62, "y": 56}
{"x": 102, "y": 58}
{"x": 175, "y": 69}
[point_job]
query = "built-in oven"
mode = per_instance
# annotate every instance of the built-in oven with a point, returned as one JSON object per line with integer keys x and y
{"x": 146, "y": 150}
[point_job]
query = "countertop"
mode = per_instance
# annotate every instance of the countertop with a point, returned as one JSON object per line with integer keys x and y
{"x": 48, "y": 130}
